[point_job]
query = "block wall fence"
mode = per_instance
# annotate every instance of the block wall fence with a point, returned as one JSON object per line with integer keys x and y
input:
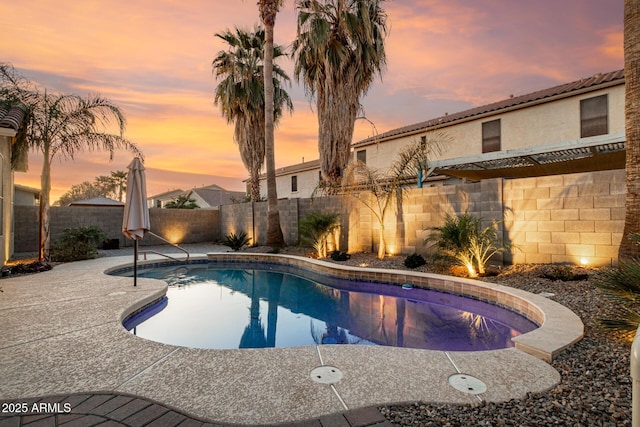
{"x": 573, "y": 218}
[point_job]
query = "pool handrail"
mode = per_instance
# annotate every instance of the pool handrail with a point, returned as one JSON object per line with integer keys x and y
{"x": 165, "y": 255}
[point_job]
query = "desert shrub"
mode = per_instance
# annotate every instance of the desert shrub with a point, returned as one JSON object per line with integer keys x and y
{"x": 236, "y": 241}
{"x": 463, "y": 240}
{"x": 622, "y": 285}
{"x": 78, "y": 243}
{"x": 565, "y": 273}
{"x": 414, "y": 261}
{"x": 316, "y": 228}
{"x": 340, "y": 256}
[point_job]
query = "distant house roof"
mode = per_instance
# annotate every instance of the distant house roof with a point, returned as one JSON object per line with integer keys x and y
{"x": 597, "y": 81}
{"x": 298, "y": 167}
{"x": 97, "y": 201}
{"x": 26, "y": 189}
{"x": 167, "y": 194}
{"x": 216, "y": 197}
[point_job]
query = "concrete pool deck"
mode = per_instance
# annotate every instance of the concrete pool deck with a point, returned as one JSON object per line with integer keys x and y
{"x": 62, "y": 335}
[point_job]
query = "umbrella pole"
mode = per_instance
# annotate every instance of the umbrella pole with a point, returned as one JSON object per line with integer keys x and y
{"x": 135, "y": 262}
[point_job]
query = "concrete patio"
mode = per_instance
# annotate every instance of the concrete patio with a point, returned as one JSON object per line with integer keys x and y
{"x": 63, "y": 337}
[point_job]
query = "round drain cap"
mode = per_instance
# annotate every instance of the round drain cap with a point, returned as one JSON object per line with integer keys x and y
{"x": 326, "y": 374}
{"x": 467, "y": 384}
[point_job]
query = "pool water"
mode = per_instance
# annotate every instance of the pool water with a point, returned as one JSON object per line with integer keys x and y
{"x": 248, "y": 307}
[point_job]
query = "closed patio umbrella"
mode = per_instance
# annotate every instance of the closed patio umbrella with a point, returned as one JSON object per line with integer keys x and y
{"x": 135, "y": 222}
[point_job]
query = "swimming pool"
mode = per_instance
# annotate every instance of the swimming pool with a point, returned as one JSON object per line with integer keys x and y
{"x": 229, "y": 306}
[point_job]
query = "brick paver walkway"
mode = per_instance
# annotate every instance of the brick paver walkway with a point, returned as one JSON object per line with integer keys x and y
{"x": 106, "y": 409}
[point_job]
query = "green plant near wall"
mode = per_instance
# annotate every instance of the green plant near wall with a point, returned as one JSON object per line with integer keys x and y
{"x": 622, "y": 285}
{"x": 78, "y": 243}
{"x": 462, "y": 238}
{"x": 236, "y": 241}
{"x": 317, "y": 228}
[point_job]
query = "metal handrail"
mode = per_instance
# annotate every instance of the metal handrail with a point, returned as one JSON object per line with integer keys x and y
{"x": 165, "y": 255}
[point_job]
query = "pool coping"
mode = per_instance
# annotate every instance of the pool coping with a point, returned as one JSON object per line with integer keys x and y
{"x": 64, "y": 335}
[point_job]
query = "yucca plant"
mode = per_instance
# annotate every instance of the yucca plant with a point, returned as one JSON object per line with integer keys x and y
{"x": 622, "y": 285}
{"x": 317, "y": 227}
{"x": 462, "y": 239}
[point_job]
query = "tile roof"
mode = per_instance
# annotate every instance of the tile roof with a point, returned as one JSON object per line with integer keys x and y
{"x": 11, "y": 118}
{"x": 590, "y": 83}
{"x": 215, "y": 197}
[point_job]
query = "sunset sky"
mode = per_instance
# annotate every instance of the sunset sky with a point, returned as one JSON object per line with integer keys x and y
{"x": 153, "y": 59}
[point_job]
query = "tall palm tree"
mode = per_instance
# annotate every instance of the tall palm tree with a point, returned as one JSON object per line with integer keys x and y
{"x": 338, "y": 51}
{"x": 240, "y": 95}
{"x": 61, "y": 125}
{"x": 628, "y": 248}
{"x": 268, "y": 11}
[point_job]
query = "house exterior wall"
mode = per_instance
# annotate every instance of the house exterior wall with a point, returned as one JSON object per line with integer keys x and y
{"x": 543, "y": 124}
{"x": 552, "y": 121}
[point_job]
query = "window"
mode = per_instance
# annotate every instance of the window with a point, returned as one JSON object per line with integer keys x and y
{"x": 319, "y": 176}
{"x": 594, "y": 116}
{"x": 294, "y": 183}
{"x": 491, "y": 136}
{"x": 361, "y": 156}
{"x": 423, "y": 142}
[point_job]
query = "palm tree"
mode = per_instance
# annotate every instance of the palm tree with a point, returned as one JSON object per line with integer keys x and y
{"x": 268, "y": 11}
{"x": 628, "y": 248}
{"x": 338, "y": 51}
{"x": 378, "y": 191}
{"x": 240, "y": 95}
{"x": 61, "y": 125}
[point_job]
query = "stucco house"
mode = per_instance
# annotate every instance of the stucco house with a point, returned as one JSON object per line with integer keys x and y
{"x": 26, "y": 196}
{"x": 206, "y": 197}
{"x": 574, "y": 127}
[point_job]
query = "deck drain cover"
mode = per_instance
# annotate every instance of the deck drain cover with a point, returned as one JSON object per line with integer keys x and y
{"x": 467, "y": 384}
{"x": 326, "y": 374}
{"x": 114, "y": 294}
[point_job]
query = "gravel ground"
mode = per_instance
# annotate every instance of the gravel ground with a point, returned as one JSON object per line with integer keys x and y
{"x": 595, "y": 389}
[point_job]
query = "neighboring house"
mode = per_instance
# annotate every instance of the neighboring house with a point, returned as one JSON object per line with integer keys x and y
{"x": 10, "y": 122}
{"x": 159, "y": 200}
{"x": 574, "y": 127}
{"x": 25, "y": 196}
{"x": 97, "y": 201}
{"x": 214, "y": 196}
{"x": 206, "y": 197}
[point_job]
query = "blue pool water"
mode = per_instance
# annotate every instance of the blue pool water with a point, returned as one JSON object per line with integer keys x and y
{"x": 209, "y": 306}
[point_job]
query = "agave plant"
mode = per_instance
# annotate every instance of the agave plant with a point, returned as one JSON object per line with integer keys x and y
{"x": 236, "y": 241}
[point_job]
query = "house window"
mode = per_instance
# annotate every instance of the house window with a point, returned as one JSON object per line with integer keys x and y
{"x": 491, "y": 136}
{"x": 294, "y": 183}
{"x": 319, "y": 176}
{"x": 158, "y": 203}
{"x": 594, "y": 116}
{"x": 361, "y": 156}
{"x": 423, "y": 142}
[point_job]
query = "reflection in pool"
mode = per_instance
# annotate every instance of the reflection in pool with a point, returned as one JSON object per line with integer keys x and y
{"x": 247, "y": 307}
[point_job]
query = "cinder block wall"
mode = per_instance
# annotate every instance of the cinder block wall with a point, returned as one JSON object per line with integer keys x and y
{"x": 566, "y": 218}
{"x": 177, "y": 225}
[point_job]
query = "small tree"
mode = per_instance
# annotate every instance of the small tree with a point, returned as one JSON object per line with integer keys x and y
{"x": 360, "y": 181}
{"x": 317, "y": 228}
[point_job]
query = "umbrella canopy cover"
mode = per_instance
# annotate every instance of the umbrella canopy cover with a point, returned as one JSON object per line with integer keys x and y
{"x": 135, "y": 222}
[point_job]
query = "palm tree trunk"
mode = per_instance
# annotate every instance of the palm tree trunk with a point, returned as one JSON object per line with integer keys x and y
{"x": 382, "y": 246}
{"x": 628, "y": 248}
{"x": 274, "y": 232}
{"x": 45, "y": 184}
